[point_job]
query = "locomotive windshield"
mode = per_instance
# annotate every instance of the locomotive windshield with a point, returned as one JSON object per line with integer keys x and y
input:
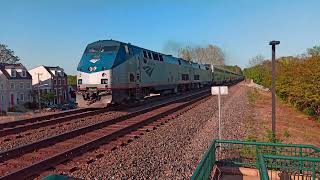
{"x": 95, "y": 49}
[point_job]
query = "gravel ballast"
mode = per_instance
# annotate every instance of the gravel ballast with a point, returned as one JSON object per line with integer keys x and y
{"x": 173, "y": 150}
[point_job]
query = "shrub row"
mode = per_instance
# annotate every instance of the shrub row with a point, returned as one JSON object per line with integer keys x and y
{"x": 297, "y": 81}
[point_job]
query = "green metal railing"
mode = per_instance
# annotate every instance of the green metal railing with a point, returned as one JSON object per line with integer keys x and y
{"x": 271, "y": 159}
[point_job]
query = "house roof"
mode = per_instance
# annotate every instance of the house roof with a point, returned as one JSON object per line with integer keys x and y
{"x": 4, "y": 66}
{"x": 48, "y": 68}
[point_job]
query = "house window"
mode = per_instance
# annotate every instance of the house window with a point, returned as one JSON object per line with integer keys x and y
{"x": 55, "y": 82}
{"x": 21, "y": 85}
{"x": 11, "y": 85}
{"x": 13, "y": 73}
{"x": 2, "y": 86}
{"x": 28, "y": 86}
{"x": 179, "y": 62}
{"x": 22, "y": 97}
{"x": 59, "y": 82}
{"x": 24, "y": 74}
{"x": 196, "y": 77}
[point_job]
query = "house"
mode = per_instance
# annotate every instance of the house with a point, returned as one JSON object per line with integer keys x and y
{"x": 15, "y": 86}
{"x": 52, "y": 80}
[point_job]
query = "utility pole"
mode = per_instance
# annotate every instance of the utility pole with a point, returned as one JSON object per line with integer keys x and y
{"x": 39, "y": 90}
{"x": 273, "y": 86}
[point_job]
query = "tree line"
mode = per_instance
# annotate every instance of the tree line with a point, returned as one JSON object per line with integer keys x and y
{"x": 207, "y": 54}
{"x": 297, "y": 79}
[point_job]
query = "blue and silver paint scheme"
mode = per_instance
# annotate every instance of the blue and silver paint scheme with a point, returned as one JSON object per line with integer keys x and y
{"x": 114, "y": 72}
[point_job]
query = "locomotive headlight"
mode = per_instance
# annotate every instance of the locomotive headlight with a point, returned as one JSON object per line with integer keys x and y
{"x": 79, "y": 81}
{"x": 92, "y": 69}
{"x": 104, "y": 75}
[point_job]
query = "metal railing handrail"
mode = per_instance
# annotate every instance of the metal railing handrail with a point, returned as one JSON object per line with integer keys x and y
{"x": 211, "y": 149}
{"x": 294, "y": 158}
{"x": 263, "y": 171}
{"x": 203, "y": 172}
{"x": 268, "y": 144}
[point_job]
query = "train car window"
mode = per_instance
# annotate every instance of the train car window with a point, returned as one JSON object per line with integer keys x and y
{"x": 149, "y": 55}
{"x": 155, "y": 56}
{"x": 196, "y": 77}
{"x": 161, "y": 58}
{"x": 145, "y": 54}
{"x": 131, "y": 77}
{"x": 109, "y": 48}
{"x": 185, "y": 77}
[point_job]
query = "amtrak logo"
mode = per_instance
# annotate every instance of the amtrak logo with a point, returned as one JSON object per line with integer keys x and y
{"x": 94, "y": 60}
{"x": 148, "y": 70}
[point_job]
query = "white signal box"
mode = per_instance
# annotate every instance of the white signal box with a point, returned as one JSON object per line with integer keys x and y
{"x": 223, "y": 90}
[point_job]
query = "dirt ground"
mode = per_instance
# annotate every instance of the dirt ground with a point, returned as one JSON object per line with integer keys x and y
{"x": 292, "y": 126}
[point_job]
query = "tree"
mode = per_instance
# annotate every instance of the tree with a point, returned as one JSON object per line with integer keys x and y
{"x": 210, "y": 55}
{"x": 186, "y": 53}
{"x": 314, "y": 51}
{"x": 48, "y": 97}
{"x": 258, "y": 59}
{"x": 7, "y": 55}
{"x": 72, "y": 80}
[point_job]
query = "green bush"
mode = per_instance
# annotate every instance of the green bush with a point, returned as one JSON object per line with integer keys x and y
{"x": 297, "y": 81}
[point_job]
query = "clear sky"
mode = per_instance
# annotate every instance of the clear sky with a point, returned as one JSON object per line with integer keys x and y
{"x": 55, "y": 32}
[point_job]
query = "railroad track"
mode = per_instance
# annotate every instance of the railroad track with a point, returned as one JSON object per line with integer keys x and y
{"x": 36, "y": 157}
{"x": 17, "y": 127}
{"x": 5, "y": 128}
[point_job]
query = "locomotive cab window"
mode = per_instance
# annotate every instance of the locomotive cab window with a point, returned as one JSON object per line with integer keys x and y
{"x": 92, "y": 49}
{"x": 109, "y": 48}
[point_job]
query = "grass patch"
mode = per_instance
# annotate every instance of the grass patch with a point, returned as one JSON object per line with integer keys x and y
{"x": 253, "y": 95}
{"x": 270, "y": 137}
{"x": 286, "y": 133}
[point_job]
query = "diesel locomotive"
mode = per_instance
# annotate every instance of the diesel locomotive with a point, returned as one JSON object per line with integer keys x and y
{"x": 114, "y": 72}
